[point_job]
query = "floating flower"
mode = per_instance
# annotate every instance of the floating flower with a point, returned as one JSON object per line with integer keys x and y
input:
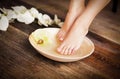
{"x": 41, "y": 37}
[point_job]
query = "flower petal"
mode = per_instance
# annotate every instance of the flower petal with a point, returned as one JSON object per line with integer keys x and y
{"x": 19, "y": 9}
{"x": 4, "y": 10}
{"x": 47, "y": 19}
{"x": 4, "y": 23}
{"x": 26, "y": 18}
{"x": 34, "y": 12}
{"x": 9, "y": 13}
{"x": 41, "y": 21}
{"x": 56, "y": 20}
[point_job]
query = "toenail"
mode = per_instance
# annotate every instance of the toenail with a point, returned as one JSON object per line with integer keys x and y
{"x": 61, "y": 39}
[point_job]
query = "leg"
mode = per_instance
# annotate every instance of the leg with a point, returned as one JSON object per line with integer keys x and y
{"x": 76, "y": 8}
{"x": 80, "y": 27}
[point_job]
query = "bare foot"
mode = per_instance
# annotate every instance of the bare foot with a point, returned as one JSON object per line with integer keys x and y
{"x": 76, "y": 34}
{"x": 74, "y": 11}
{"x": 74, "y": 38}
{"x": 72, "y": 42}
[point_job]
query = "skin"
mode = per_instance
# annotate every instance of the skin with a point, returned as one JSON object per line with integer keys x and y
{"x": 77, "y": 24}
{"x": 74, "y": 11}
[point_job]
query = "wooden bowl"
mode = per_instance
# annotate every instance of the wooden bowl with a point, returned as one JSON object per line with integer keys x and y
{"x": 49, "y": 49}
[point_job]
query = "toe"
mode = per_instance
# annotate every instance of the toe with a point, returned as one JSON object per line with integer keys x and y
{"x": 66, "y": 52}
{"x": 70, "y": 50}
{"x": 74, "y": 50}
{"x": 60, "y": 49}
{"x": 63, "y": 50}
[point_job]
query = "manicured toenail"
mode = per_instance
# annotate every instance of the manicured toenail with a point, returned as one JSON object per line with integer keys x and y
{"x": 61, "y": 39}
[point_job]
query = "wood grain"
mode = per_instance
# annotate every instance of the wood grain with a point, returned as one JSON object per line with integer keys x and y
{"x": 19, "y": 60}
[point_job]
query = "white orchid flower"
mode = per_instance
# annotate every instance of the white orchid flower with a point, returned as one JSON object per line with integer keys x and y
{"x": 23, "y": 15}
{"x": 26, "y": 17}
{"x": 41, "y": 21}
{"x": 34, "y": 12}
{"x": 19, "y": 9}
{"x": 10, "y": 14}
{"x": 47, "y": 19}
{"x": 4, "y": 23}
{"x": 56, "y": 19}
{"x": 44, "y": 20}
{"x": 42, "y": 37}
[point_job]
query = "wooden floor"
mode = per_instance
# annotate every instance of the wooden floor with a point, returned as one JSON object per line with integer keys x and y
{"x": 19, "y": 60}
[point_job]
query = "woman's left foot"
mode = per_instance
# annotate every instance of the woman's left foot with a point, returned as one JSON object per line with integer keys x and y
{"x": 72, "y": 41}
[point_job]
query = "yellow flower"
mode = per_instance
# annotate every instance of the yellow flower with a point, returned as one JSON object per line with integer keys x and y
{"x": 41, "y": 37}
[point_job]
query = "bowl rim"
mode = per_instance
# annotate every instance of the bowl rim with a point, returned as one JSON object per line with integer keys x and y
{"x": 57, "y": 58}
